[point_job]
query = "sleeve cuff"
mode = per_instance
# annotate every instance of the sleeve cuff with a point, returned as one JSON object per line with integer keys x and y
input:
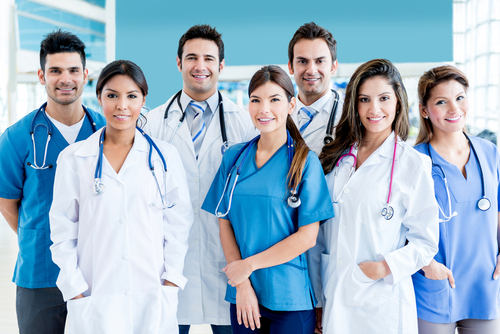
{"x": 175, "y": 277}
{"x": 389, "y": 279}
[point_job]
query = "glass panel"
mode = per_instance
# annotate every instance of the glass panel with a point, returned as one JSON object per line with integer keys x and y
{"x": 470, "y": 21}
{"x": 459, "y": 17}
{"x": 480, "y": 101}
{"x": 494, "y": 69}
{"x": 495, "y": 36}
{"x": 482, "y": 71}
{"x": 482, "y": 39}
{"x": 493, "y": 99}
{"x": 480, "y": 125}
{"x": 483, "y": 11}
{"x": 100, "y": 3}
{"x": 458, "y": 48}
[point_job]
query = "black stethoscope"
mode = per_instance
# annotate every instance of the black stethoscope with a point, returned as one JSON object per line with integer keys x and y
{"x": 483, "y": 203}
{"x": 98, "y": 187}
{"x": 331, "y": 121}
{"x": 49, "y": 128}
{"x": 220, "y": 105}
{"x": 293, "y": 200}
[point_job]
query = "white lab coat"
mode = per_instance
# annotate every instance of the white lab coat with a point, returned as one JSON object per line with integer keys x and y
{"x": 202, "y": 301}
{"x": 314, "y": 134}
{"x": 352, "y": 302}
{"x": 116, "y": 248}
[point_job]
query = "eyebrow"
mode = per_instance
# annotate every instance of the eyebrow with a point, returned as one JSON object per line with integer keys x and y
{"x": 384, "y": 93}
{"x": 62, "y": 68}
{"x": 196, "y": 55}
{"x": 132, "y": 91}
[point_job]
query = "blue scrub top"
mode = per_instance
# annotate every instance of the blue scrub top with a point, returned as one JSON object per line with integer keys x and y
{"x": 34, "y": 266}
{"x": 468, "y": 243}
{"x": 261, "y": 217}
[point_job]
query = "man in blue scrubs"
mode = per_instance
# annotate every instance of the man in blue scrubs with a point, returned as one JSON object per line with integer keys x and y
{"x": 26, "y": 180}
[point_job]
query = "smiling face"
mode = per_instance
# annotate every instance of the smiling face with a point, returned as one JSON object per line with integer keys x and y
{"x": 377, "y": 103}
{"x": 121, "y": 100}
{"x": 312, "y": 68}
{"x": 63, "y": 77}
{"x": 200, "y": 68}
{"x": 269, "y": 108}
{"x": 447, "y": 107}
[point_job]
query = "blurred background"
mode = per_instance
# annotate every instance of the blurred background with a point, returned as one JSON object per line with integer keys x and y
{"x": 415, "y": 35}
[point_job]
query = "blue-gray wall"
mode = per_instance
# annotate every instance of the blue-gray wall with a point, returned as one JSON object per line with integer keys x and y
{"x": 257, "y": 32}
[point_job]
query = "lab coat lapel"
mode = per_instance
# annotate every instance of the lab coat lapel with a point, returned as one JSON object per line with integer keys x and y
{"x": 182, "y": 128}
{"x": 137, "y": 153}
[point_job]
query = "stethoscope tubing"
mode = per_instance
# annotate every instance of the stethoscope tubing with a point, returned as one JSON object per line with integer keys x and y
{"x": 177, "y": 98}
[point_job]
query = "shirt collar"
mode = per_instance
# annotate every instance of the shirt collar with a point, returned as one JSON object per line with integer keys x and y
{"x": 212, "y": 101}
{"x": 319, "y": 104}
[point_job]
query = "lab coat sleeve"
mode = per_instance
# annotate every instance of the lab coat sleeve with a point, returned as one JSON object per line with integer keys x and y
{"x": 12, "y": 167}
{"x": 64, "y": 220}
{"x": 421, "y": 220}
{"x": 314, "y": 265}
{"x": 177, "y": 221}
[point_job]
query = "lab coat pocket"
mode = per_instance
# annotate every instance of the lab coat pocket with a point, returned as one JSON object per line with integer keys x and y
{"x": 325, "y": 274}
{"x": 80, "y": 316}
{"x": 169, "y": 300}
{"x": 431, "y": 295}
{"x": 360, "y": 290}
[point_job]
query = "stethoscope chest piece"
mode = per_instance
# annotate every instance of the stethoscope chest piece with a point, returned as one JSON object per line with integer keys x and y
{"x": 293, "y": 200}
{"x": 387, "y": 212}
{"x": 483, "y": 204}
{"x": 224, "y": 148}
{"x": 98, "y": 187}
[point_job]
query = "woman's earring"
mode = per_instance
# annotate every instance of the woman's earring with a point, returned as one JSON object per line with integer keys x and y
{"x": 426, "y": 117}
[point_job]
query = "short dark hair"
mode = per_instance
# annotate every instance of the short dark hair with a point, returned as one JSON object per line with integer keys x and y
{"x": 203, "y": 31}
{"x": 60, "y": 41}
{"x": 312, "y": 31}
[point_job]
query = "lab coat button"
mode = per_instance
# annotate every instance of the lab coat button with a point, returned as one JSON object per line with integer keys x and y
{"x": 196, "y": 179}
{"x": 125, "y": 257}
{"x": 122, "y": 221}
{"x": 339, "y": 262}
{"x": 346, "y": 191}
{"x": 127, "y": 293}
{"x": 342, "y": 227}
{"x": 341, "y": 201}
{"x": 195, "y": 211}
{"x": 196, "y": 242}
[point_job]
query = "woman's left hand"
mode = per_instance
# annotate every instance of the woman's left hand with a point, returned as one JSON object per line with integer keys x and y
{"x": 237, "y": 271}
{"x": 375, "y": 270}
{"x": 496, "y": 274}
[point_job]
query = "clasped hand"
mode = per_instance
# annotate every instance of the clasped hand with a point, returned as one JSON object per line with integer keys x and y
{"x": 375, "y": 270}
{"x": 237, "y": 272}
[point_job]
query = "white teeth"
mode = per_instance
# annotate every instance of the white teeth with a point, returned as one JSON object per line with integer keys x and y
{"x": 312, "y": 79}
{"x": 201, "y": 76}
{"x": 265, "y": 119}
{"x": 454, "y": 118}
{"x": 122, "y": 117}
{"x": 375, "y": 118}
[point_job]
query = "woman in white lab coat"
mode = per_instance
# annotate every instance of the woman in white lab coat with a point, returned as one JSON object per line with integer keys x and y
{"x": 119, "y": 228}
{"x": 386, "y": 219}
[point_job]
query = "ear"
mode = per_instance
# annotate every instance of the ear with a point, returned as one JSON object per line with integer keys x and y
{"x": 423, "y": 110}
{"x": 143, "y": 101}
{"x": 292, "y": 104}
{"x": 99, "y": 99}
{"x": 221, "y": 65}
{"x": 179, "y": 63}
{"x": 290, "y": 68}
{"x": 86, "y": 75}
{"x": 335, "y": 66}
{"x": 41, "y": 77}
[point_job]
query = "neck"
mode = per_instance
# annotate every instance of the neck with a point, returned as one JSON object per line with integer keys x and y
{"x": 66, "y": 114}
{"x": 372, "y": 141}
{"x": 272, "y": 141}
{"x": 449, "y": 141}
{"x": 308, "y": 99}
{"x": 119, "y": 137}
{"x": 199, "y": 96}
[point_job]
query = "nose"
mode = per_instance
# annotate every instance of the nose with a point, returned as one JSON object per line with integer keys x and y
{"x": 121, "y": 103}
{"x": 200, "y": 64}
{"x": 312, "y": 68}
{"x": 65, "y": 77}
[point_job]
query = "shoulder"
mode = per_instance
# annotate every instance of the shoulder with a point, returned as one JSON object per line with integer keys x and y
{"x": 157, "y": 112}
{"x": 412, "y": 159}
{"x": 485, "y": 145}
{"x": 23, "y": 125}
{"x": 97, "y": 116}
{"x": 168, "y": 150}
{"x": 231, "y": 109}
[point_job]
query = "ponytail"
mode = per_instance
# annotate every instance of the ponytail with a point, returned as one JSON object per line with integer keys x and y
{"x": 300, "y": 156}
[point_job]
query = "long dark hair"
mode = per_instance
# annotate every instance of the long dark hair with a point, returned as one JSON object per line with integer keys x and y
{"x": 349, "y": 130}
{"x": 128, "y": 68}
{"x": 275, "y": 74}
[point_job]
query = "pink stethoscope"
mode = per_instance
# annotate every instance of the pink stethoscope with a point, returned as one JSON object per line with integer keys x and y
{"x": 388, "y": 211}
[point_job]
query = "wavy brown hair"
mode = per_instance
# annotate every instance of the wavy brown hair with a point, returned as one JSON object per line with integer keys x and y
{"x": 349, "y": 130}
{"x": 275, "y": 74}
{"x": 426, "y": 84}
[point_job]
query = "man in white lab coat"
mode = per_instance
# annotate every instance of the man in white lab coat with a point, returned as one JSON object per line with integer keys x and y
{"x": 312, "y": 60}
{"x": 190, "y": 120}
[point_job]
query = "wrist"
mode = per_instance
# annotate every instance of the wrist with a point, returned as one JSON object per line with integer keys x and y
{"x": 251, "y": 263}
{"x": 244, "y": 285}
{"x": 385, "y": 268}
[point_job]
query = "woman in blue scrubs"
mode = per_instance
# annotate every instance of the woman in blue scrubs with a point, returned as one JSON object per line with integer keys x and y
{"x": 264, "y": 233}
{"x": 460, "y": 288}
